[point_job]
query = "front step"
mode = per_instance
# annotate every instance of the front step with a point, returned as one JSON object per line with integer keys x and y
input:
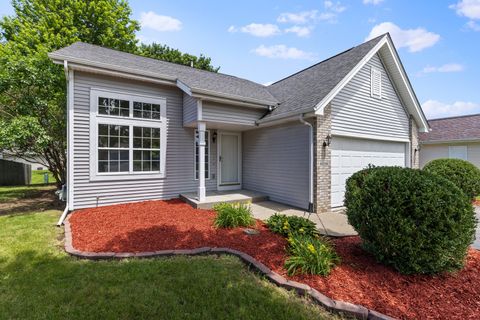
{"x": 213, "y": 198}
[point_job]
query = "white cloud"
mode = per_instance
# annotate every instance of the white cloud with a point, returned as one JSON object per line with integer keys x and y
{"x": 268, "y": 83}
{"x": 257, "y": 29}
{"x": 299, "y": 31}
{"x": 449, "y": 67}
{"x": 473, "y": 25}
{"x": 334, "y": 6}
{"x": 467, "y": 8}
{"x": 436, "y": 109}
{"x": 373, "y": 2}
{"x": 297, "y": 18}
{"x": 413, "y": 39}
{"x": 282, "y": 51}
{"x": 158, "y": 22}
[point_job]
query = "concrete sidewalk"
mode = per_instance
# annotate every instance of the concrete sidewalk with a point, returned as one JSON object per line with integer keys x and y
{"x": 476, "y": 243}
{"x": 331, "y": 223}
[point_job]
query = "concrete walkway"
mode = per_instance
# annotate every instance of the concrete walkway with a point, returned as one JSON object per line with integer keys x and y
{"x": 331, "y": 223}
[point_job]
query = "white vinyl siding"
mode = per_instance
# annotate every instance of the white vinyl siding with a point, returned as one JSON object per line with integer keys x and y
{"x": 179, "y": 171}
{"x": 350, "y": 155}
{"x": 356, "y": 113}
{"x": 189, "y": 109}
{"x": 429, "y": 152}
{"x": 458, "y": 152}
{"x": 220, "y": 113}
{"x": 276, "y": 163}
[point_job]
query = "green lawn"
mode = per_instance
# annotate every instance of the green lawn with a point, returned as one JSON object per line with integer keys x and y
{"x": 38, "y": 280}
{"x": 11, "y": 194}
{"x": 37, "y": 177}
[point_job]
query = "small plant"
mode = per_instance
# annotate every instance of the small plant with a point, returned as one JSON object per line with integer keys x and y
{"x": 285, "y": 225}
{"x": 463, "y": 174}
{"x": 310, "y": 255}
{"x": 232, "y": 215}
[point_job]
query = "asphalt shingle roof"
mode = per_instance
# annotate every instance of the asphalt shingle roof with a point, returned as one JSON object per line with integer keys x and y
{"x": 308, "y": 87}
{"x": 455, "y": 128}
{"x": 194, "y": 78}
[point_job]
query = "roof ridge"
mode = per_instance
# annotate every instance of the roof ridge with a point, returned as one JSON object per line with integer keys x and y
{"x": 455, "y": 117}
{"x": 329, "y": 58}
{"x": 171, "y": 63}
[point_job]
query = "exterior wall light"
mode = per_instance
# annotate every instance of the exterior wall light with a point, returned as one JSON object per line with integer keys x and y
{"x": 327, "y": 141}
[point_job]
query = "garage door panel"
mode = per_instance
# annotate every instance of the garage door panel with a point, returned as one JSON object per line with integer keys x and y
{"x": 350, "y": 155}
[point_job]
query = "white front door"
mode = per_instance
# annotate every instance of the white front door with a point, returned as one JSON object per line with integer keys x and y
{"x": 229, "y": 161}
{"x": 350, "y": 155}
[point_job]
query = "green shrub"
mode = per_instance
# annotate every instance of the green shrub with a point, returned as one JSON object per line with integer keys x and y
{"x": 462, "y": 173}
{"x": 310, "y": 255}
{"x": 231, "y": 215}
{"x": 284, "y": 225}
{"x": 410, "y": 219}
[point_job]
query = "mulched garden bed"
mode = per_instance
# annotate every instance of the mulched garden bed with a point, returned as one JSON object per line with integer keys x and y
{"x": 163, "y": 225}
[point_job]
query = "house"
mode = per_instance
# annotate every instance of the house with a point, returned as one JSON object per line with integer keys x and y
{"x": 454, "y": 137}
{"x": 141, "y": 129}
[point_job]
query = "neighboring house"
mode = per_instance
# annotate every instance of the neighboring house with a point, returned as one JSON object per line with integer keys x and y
{"x": 140, "y": 128}
{"x": 455, "y": 137}
{"x": 35, "y": 163}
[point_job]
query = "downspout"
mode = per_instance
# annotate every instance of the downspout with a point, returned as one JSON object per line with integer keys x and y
{"x": 65, "y": 212}
{"x": 310, "y": 176}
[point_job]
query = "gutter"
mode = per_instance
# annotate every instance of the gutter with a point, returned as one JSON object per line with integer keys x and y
{"x": 67, "y": 204}
{"x": 310, "y": 176}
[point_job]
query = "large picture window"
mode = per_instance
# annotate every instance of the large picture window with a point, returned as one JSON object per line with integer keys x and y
{"x": 128, "y": 136}
{"x": 207, "y": 155}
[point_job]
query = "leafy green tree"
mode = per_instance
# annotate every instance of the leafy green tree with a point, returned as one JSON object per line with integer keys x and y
{"x": 163, "y": 52}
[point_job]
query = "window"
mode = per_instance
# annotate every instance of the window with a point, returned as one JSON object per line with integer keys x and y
{"x": 127, "y": 137}
{"x": 458, "y": 152}
{"x": 376, "y": 83}
{"x": 146, "y": 149}
{"x": 207, "y": 155}
{"x": 113, "y": 145}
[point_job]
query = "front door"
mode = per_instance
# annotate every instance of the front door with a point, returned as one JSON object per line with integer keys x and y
{"x": 229, "y": 161}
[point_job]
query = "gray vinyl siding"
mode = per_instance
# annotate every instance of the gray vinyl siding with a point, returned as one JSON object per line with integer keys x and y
{"x": 189, "y": 109}
{"x": 216, "y": 112}
{"x": 180, "y": 148}
{"x": 275, "y": 162}
{"x": 354, "y": 111}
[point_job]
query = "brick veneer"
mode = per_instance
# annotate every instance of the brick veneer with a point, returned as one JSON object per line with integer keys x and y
{"x": 414, "y": 144}
{"x": 322, "y": 162}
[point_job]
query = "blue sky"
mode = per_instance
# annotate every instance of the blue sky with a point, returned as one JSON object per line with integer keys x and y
{"x": 438, "y": 41}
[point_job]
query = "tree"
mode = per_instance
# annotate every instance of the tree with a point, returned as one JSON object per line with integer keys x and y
{"x": 163, "y": 52}
{"x": 33, "y": 89}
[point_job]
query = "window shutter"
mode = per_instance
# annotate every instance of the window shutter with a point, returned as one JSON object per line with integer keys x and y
{"x": 376, "y": 83}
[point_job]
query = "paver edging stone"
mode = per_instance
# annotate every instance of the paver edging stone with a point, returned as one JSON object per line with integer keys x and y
{"x": 358, "y": 311}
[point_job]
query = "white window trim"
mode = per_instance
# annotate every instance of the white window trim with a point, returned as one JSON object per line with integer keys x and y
{"x": 96, "y": 118}
{"x": 374, "y": 70}
{"x": 195, "y": 155}
{"x": 450, "y": 151}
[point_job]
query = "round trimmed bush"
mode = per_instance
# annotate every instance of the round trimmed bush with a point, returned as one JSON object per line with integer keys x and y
{"x": 413, "y": 220}
{"x": 463, "y": 174}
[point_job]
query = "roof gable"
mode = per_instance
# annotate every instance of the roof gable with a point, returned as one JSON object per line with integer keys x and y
{"x": 305, "y": 89}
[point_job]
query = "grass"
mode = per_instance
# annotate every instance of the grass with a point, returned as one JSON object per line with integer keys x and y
{"x": 37, "y": 177}
{"x": 38, "y": 280}
{"x": 11, "y": 194}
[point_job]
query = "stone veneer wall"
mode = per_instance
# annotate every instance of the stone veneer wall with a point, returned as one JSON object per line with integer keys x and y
{"x": 415, "y": 145}
{"x": 322, "y": 162}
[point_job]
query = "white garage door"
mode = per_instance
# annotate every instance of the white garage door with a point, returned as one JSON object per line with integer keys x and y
{"x": 350, "y": 155}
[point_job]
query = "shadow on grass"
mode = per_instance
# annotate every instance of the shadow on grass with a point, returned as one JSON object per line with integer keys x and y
{"x": 19, "y": 200}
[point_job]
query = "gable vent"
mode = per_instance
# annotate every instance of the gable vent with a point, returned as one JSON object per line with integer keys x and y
{"x": 376, "y": 83}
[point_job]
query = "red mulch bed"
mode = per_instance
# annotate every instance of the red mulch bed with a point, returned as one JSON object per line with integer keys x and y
{"x": 159, "y": 225}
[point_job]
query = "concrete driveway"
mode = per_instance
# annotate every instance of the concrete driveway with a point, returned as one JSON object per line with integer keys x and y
{"x": 476, "y": 244}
